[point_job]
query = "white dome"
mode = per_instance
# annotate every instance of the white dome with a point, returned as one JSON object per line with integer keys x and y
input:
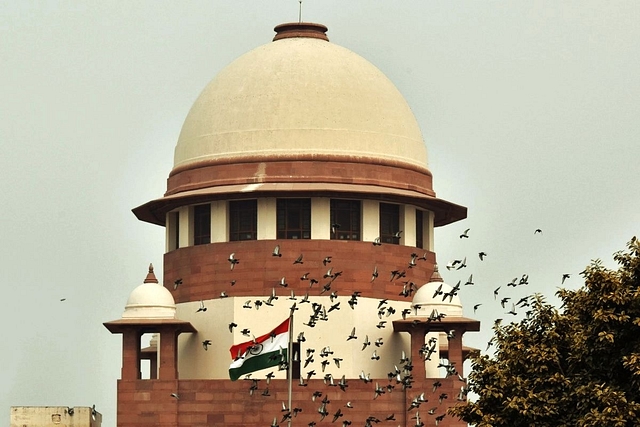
{"x": 300, "y": 95}
{"x": 426, "y": 299}
{"x": 150, "y": 301}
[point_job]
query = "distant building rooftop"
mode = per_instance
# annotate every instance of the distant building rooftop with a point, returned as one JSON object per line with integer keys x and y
{"x": 47, "y": 416}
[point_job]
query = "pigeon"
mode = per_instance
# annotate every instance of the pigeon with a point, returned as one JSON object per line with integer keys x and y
{"x": 343, "y": 386}
{"x": 337, "y": 415}
{"x": 537, "y": 231}
{"x": 334, "y": 228}
{"x": 378, "y": 391}
{"x": 438, "y": 291}
{"x": 465, "y": 235}
{"x": 366, "y": 342}
{"x": 412, "y": 262}
{"x": 177, "y": 283}
{"x": 206, "y": 344}
{"x": 276, "y": 251}
{"x": 481, "y": 255}
{"x": 352, "y": 336}
{"x": 299, "y": 260}
{"x": 202, "y": 307}
{"x": 233, "y": 260}
{"x": 565, "y": 277}
{"x": 376, "y": 241}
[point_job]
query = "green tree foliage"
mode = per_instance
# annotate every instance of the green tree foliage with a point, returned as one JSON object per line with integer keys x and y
{"x": 578, "y": 365}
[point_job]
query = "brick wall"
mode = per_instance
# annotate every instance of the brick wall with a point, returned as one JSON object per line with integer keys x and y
{"x": 205, "y": 271}
{"x": 213, "y": 403}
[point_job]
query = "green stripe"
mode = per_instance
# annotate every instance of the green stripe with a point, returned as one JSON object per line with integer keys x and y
{"x": 256, "y": 363}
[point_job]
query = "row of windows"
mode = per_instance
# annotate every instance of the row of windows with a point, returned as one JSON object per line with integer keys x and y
{"x": 293, "y": 221}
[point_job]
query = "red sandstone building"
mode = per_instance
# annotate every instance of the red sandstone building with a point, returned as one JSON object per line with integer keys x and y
{"x": 304, "y": 145}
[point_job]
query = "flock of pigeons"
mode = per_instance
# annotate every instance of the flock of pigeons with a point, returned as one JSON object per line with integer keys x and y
{"x": 400, "y": 375}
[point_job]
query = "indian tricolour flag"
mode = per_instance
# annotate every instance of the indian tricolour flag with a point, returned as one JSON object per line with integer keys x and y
{"x": 265, "y": 351}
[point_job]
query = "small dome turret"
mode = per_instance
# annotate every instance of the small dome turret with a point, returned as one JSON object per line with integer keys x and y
{"x": 150, "y": 301}
{"x": 436, "y": 295}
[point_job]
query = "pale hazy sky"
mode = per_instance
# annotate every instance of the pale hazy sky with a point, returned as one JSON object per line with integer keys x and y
{"x": 530, "y": 112}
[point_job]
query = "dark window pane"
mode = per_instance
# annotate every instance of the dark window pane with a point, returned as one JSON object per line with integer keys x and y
{"x": 201, "y": 224}
{"x": 419, "y": 219}
{"x": 293, "y": 218}
{"x": 243, "y": 220}
{"x": 389, "y": 223}
{"x": 345, "y": 219}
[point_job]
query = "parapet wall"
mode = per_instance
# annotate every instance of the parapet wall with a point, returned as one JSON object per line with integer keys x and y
{"x": 213, "y": 403}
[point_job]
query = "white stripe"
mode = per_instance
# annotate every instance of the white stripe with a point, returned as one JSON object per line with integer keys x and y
{"x": 270, "y": 345}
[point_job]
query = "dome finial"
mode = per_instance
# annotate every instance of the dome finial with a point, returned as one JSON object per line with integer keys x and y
{"x": 151, "y": 278}
{"x": 436, "y": 277}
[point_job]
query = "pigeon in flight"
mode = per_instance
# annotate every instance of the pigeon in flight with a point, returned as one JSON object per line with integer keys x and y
{"x": 465, "y": 235}
{"x": 276, "y": 251}
{"x": 202, "y": 307}
{"x": 233, "y": 260}
{"x": 352, "y": 335}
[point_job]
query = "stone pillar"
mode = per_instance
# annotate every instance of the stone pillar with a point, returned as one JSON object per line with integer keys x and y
{"x": 153, "y": 367}
{"x": 455, "y": 350}
{"x": 417, "y": 341}
{"x": 131, "y": 355}
{"x": 168, "y": 354}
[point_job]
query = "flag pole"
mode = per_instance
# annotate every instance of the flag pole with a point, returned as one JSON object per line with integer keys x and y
{"x": 290, "y": 363}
